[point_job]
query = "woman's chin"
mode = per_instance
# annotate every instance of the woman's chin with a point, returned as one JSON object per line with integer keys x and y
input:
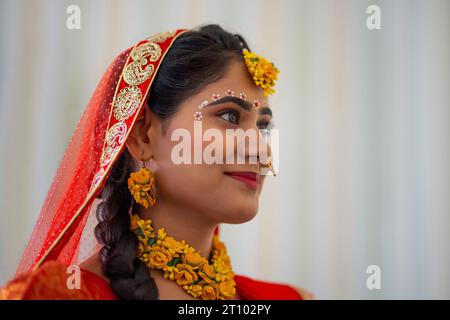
{"x": 241, "y": 215}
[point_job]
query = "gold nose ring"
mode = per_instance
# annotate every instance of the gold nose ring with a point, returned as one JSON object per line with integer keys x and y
{"x": 269, "y": 164}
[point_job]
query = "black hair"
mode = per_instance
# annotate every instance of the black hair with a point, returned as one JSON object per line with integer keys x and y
{"x": 197, "y": 58}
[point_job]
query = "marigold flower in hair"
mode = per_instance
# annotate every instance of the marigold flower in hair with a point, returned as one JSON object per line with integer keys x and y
{"x": 263, "y": 72}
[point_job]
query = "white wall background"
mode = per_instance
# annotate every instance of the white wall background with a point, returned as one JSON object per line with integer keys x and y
{"x": 363, "y": 118}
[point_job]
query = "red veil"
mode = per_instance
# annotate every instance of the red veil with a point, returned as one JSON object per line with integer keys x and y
{"x": 64, "y": 230}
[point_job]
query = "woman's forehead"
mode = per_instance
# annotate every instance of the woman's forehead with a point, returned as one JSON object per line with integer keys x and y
{"x": 237, "y": 86}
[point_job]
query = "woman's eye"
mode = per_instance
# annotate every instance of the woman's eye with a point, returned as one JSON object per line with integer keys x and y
{"x": 230, "y": 116}
{"x": 264, "y": 125}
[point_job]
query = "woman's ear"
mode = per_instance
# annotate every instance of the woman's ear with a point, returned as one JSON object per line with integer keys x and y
{"x": 139, "y": 141}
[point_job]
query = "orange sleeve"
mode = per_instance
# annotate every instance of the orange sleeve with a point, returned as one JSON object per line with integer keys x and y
{"x": 48, "y": 282}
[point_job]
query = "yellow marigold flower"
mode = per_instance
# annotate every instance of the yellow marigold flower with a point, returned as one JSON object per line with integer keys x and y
{"x": 210, "y": 291}
{"x": 161, "y": 234}
{"x": 159, "y": 257}
{"x": 220, "y": 266}
{"x": 194, "y": 259}
{"x": 140, "y": 184}
{"x": 173, "y": 246}
{"x": 263, "y": 72}
{"x": 195, "y": 290}
{"x": 226, "y": 260}
{"x": 188, "y": 249}
{"x": 207, "y": 272}
{"x": 218, "y": 245}
{"x": 141, "y": 177}
{"x": 169, "y": 274}
{"x": 185, "y": 275}
{"x": 227, "y": 288}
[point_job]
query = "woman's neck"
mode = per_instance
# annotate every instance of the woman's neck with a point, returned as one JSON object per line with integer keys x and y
{"x": 182, "y": 224}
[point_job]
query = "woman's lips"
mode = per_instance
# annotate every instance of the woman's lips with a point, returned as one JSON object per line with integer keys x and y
{"x": 251, "y": 179}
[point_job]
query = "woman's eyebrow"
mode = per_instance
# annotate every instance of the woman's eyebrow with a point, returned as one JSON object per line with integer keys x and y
{"x": 238, "y": 101}
{"x": 244, "y": 104}
{"x": 265, "y": 110}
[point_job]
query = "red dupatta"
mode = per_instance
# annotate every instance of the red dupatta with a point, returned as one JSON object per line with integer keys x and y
{"x": 64, "y": 230}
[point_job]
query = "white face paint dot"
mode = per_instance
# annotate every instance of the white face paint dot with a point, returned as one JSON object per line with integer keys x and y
{"x": 215, "y": 96}
{"x": 197, "y": 115}
{"x": 229, "y": 92}
{"x": 243, "y": 96}
{"x": 203, "y": 104}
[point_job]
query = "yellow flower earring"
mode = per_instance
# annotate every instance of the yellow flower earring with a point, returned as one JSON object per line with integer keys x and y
{"x": 141, "y": 185}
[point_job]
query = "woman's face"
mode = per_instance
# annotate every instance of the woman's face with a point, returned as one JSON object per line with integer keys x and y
{"x": 224, "y": 192}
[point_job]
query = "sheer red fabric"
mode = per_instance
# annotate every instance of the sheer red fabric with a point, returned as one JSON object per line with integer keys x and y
{"x": 63, "y": 231}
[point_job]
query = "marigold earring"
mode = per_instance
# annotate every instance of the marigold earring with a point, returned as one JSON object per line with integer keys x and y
{"x": 141, "y": 185}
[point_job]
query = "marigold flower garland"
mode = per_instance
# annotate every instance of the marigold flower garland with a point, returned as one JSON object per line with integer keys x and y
{"x": 183, "y": 264}
{"x": 263, "y": 72}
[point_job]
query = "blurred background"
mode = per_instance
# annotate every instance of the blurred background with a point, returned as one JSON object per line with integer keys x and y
{"x": 363, "y": 117}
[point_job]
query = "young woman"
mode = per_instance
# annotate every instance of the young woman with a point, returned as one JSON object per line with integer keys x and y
{"x": 155, "y": 217}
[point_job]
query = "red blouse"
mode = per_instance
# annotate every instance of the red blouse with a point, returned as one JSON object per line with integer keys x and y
{"x": 50, "y": 282}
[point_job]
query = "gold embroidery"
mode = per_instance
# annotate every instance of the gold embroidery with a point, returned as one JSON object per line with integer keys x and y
{"x": 161, "y": 37}
{"x": 140, "y": 69}
{"x": 114, "y": 139}
{"x": 146, "y": 49}
{"x": 97, "y": 178}
{"x": 127, "y": 101}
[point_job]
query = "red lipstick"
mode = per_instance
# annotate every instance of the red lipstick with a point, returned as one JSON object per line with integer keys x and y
{"x": 251, "y": 179}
